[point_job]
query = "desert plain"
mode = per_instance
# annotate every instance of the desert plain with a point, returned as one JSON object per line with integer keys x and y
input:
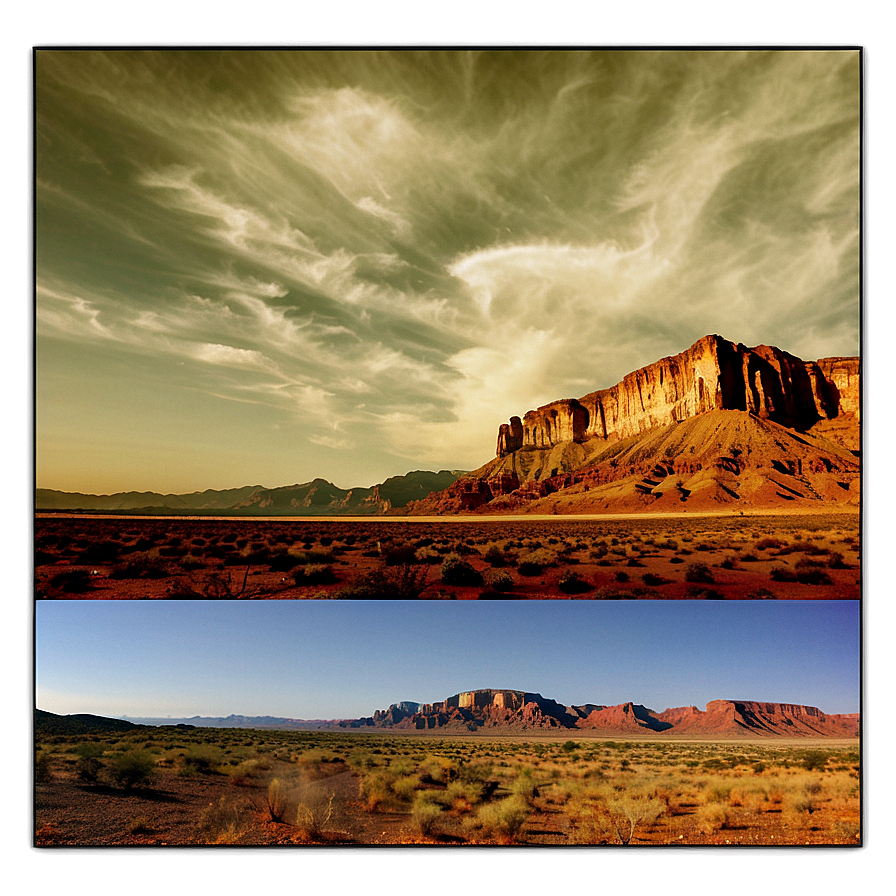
{"x": 801, "y": 556}
{"x": 193, "y": 786}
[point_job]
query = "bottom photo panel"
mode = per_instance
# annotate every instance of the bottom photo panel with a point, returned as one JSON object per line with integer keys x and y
{"x": 484, "y": 724}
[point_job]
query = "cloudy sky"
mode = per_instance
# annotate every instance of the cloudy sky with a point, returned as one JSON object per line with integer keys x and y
{"x": 261, "y": 267}
{"x": 338, "y": 659}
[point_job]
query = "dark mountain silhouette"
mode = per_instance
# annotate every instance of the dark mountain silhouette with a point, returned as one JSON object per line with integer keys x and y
{"x": 318, "y": 497}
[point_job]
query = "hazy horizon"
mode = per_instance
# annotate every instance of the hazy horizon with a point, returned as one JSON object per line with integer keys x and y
{"x": 269, "y": 266}
{"x": 345, "y": 659}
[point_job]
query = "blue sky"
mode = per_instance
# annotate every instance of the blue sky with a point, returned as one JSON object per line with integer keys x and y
{"x": 330, "y": 659}
{"x": 262, "y": 267}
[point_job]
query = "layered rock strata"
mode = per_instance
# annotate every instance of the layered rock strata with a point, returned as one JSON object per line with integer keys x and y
{"x": 713, "y": 374}
{"x": 522, "y": 710}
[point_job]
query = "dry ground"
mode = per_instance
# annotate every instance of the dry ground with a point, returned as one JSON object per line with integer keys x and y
{"x": 785, "y": 556}
{"x": 242, "y": 787}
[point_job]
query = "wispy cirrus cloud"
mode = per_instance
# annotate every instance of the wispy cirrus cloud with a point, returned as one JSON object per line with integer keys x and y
{"x": 396, "y": 251}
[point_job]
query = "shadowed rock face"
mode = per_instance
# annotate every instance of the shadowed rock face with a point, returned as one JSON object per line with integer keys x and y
{"x": 713, "y": 374}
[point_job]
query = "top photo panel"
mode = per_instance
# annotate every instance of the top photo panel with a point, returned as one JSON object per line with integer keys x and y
{"x": 448, "y": 324}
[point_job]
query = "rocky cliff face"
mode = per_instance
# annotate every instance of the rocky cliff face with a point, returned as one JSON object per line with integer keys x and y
{"x": 521, "y": 710}
{"x": 713, "y": 374}
{"x": 719, "y": 424}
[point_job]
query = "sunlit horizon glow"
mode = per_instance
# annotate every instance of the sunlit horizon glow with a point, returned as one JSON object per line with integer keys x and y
{"x": 259, "y": 267}
{"x": 330, "y": 659}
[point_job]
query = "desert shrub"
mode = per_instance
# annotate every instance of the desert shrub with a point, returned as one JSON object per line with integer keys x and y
{"x": 633, "y": 561}
{"x": 283, "y": 561}
{"x": 699, "y": 572}
{"x": 427, "y": 555}
{"x": 494, "y": 556}
{"x": 191, "y": 563}
{"x": 730, "y": 562}
{"x": 398, "y": 554}
{"x": 223, "y": 823}
{"x": 314, "y": 574}
{"x": 588, "y": 825}
{"x": 698, "y": 592}
{"x": 277, "y": 801}
{"x": 142, "y": 567}
{"x": 650, "y": 578}
{"x": 457, "y": 571}
{"x": 42, "y": 768}
{"x": 836, "y": 561}
{"x": 101, "y": 552}
{"x": 387, "y": 583}
{"x": 131, "y": 769}
{"x": 523, "y": 786}
{"x": 203, "y": 760}
{"x": 571, "y": 582}
{"x": 89, "y": 769}
{"x": 813, "y": 577}
{"x": 503, "y": 820}
{"x": 782, "y": 574}
{"x": 628, "y": 811}
{"x": 376, "y": 789}
{"x": 75, "y": 581}
{"x": 314, "y": 808}
{"x": 761, "y": 594}
{"x": 499, "y": 580}
{"x": 765, "y": 544}
{"x": 621, "y": 576}
{"x": 405, "y": 786}
{"x": 796, "y": 804}
{"x": 712, "y": 817}
{"x": 465, "y": 792}
{"x": 140, "y": 825}
{"x": 814, "y": 760}
{"x": 809, "y": 563}
{"x": 426, "y": 815}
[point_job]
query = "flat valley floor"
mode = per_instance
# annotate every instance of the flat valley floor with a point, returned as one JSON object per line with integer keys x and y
{"x": 171, "y": 786}
{"x": 790, "y": 556}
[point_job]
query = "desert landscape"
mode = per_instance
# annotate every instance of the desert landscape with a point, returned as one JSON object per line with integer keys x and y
{"x": 722, "y": 472}
{"x": 180, "y": 785}
{"x": 666, "y": 557}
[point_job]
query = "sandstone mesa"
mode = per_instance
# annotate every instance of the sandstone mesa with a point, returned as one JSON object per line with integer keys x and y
{"x": 719, "y": 424}
{"x": 511, "y": 710}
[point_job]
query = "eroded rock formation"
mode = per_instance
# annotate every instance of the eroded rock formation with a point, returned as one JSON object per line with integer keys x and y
{"x": 713, "y": 374}
{"x": 521, "y": 710}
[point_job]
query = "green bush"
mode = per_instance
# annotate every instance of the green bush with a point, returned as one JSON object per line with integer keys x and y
{"x": 134, "y": 768}
{"x": 426, "y": 815}
{"x": 503, "y": 820}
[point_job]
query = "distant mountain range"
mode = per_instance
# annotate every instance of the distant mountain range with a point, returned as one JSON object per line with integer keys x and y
{"x": 318, "y": 497}
{"x": 502, "y": 710}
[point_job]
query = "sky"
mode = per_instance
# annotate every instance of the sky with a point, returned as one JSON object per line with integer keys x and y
{"x": 333, "y": 659}
{"x": 259, "y": 267}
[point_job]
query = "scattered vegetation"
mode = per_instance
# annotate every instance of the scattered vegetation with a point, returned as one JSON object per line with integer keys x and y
{"x": 257, "y": 787}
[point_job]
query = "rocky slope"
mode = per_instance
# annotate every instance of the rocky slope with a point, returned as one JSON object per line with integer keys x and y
{"x": 719, "y": 424}
{"x": 318, "y": 497}
{"x": 511, "y": 710}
